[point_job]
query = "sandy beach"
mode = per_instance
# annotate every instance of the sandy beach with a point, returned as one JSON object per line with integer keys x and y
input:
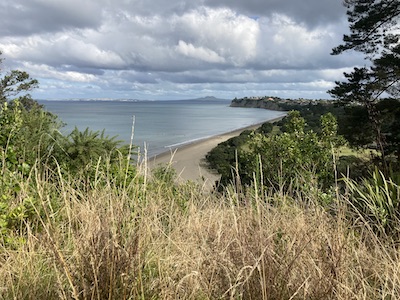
{"x": 188, "y": 160}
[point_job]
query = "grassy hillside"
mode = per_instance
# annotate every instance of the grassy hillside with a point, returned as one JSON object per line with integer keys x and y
{"x": 150, "y": 238}
{"x": 80, "y": 220}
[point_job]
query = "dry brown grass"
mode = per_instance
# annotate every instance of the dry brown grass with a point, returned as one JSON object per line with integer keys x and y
{"x": 149, "y": 240}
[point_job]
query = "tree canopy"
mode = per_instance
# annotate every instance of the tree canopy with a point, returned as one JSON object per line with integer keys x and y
{"x": 30, "y": 135}
{"x": 16, "y": 84}
{"x": 374, "y": 27}
{"x": 374, "y": 31}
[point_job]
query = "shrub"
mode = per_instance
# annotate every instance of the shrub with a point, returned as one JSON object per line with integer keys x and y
{"x": 376, "y": 201}
{"x": 293, "y": 158}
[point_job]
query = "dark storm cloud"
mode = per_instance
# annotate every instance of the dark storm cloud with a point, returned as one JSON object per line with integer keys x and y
{"x": 310, "y": 12}
{"x": 21, "y": 17}
{"x": 92, "y": 71}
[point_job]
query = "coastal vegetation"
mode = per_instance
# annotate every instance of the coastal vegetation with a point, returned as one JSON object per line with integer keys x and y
{"x": 356, "y": 155}
{"x": 307, "y": 207}
{"x": 81, "y": 219}
{"x": 366, "y": 109}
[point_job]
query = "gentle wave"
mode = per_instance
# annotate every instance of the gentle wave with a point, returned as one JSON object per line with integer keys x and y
{"x": 188, "y": 142}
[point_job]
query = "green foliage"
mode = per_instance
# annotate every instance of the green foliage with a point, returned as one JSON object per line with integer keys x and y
{"x": 27, "y": 136}
{"x": 11, "y": 123}
{"x": 293, "y": 158}
{"x": 322, "y": 132}
{"x": 19, "y": 131}
{"x": 223, "y": 157}
{"x": 165, "y": 174}
{"x": 24, "y": 135}
{"x": 13, "y": 212}
{"x": 83, "y": 148}
{"x": 295, "y": 124}
{"x": 371, "y": 24}
{"x": 91, "y": 156}
{"x": 27, "y": 131}
{"x": 31, "y": 146}
{"x": 353, "y": 167}
{"x": 14, "y": 216}
{"x": 355, "y": 126}
{"x": 389, "y": 110}
{"x": 164, "y": 179}
{"x": 265, "y": 128}
{"x": 16, "y": 83}
{"x": 374, "y": 32}
{"x": 376, "y": 200}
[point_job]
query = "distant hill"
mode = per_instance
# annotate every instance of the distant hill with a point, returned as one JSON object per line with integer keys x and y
{"x": 276, "y": 103}
{"x": 258, "y": 102}
{"x": 210, "y": 98}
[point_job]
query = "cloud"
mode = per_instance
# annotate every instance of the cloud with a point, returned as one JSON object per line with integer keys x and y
{"x": 64, "y": 75}
{"x": 288, "y": 45}
{"x": 201, "y": 53}
{"x": 22, "y": 18}
{"x": 229, "y": 34}
{"x": 310, "y": 12}
{"x": 180, "y": 49}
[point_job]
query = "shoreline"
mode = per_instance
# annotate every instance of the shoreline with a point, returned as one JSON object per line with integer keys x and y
{"x": 188, "y": 159}
{"x": 231, "y": 134}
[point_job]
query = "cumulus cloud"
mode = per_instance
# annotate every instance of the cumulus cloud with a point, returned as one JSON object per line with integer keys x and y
{"x": 232, "y": 36}
{"x": 201, "y": 53}
{"x": 61, "y": 50}
{"x": 180, "y": 49}
{"x": 64, "y": 75}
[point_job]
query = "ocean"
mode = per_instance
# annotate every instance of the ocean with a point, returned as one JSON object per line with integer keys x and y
{"x": 158, "y": 125}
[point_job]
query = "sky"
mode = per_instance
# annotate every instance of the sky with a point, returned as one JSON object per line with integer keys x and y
{"x": 176, "y": 49}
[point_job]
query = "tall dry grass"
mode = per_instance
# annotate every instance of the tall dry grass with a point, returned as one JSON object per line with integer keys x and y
{"x": 149, "y": 239}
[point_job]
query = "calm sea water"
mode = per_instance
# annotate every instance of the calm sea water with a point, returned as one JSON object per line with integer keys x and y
{"x": 158, "y": 125}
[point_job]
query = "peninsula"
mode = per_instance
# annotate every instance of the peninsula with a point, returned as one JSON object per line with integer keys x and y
{"x": 277, "y": 103}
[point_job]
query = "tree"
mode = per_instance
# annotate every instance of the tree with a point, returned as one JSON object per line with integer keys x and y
{"x": 374, "y": 27}
{"x": 390, "y": 112}
{"x": 296, "y": 158}
{"x": 29, "y": 137}
{"x": 16, "y": 84}
{"x": 27, "y": 131}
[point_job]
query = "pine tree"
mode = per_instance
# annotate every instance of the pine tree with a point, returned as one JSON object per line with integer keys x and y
{"x": 374, "y": 27}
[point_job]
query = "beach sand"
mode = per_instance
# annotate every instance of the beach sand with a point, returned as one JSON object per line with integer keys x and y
{"x": 188, "y": 160}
